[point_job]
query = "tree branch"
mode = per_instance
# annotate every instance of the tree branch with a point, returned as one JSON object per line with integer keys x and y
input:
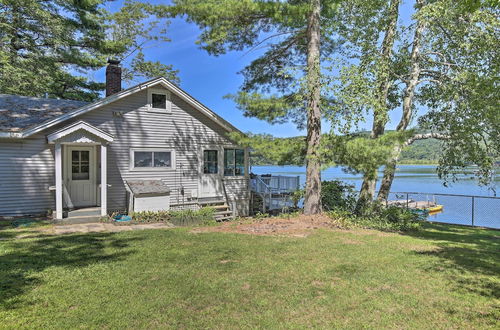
{"x": 416, "y": 137}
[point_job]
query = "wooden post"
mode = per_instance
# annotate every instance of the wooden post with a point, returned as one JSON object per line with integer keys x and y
{"x": 104, "y": 180}
{"x": 59, "y": 184}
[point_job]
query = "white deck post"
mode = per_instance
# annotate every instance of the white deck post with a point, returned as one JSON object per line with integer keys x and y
{"x": 104, "y": 180}
{"x": 59, "y": 187}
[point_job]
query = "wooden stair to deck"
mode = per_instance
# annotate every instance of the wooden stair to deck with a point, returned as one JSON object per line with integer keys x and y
{"x": 222, "y": 210}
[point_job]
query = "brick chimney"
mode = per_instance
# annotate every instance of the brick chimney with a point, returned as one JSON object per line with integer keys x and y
{"x": 113, "y": 77}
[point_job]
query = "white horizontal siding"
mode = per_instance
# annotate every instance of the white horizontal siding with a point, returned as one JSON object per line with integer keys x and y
{"x": 27, "y": 167}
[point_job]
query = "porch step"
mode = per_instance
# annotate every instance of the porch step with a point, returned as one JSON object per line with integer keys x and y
{"x": 224, "y": 218}
{"x": 223, "y": 213}
{"x": 77, "y": 220}
{"x": 84, "y": 212}
{"x": 220, "y": 207}
{"x": 222, "y": 210}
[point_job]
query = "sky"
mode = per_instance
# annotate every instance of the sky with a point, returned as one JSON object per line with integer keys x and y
{"x": 208, "y": 78}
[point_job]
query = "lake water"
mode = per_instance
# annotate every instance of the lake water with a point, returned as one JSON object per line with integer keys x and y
{"x": 421, "y": 179}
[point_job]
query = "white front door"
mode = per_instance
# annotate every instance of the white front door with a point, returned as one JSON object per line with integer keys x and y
{"x": 210, "y": 177}
{"x": 81, "y": 176}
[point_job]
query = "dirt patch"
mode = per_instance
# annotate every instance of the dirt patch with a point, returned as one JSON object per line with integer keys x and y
{"x": 300, "y": 226}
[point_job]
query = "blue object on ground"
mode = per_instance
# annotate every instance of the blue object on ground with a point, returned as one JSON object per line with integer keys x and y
{"x": 122, "y": 218}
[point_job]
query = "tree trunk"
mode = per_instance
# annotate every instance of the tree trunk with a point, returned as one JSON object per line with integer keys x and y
{"x": 367, "y": 191}
{"x": 312, "y": 202}
{"x": 409, "y": 95}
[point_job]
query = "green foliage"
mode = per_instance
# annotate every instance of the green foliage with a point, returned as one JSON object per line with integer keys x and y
{"x": 376, "y": 216}
{"x": 204, "y": 216}
{"x": 359, "y": 153}
{"x": 279, "y": 151}
{"x": 422, "y": 152}
{"x": 336, "y": 194}
{"x": 269, "y": 150}
{"x": 339, "y": 200}
{"x": 464, "y": 104}
{"x": 51, "y": 47}
{"x": 297, "y": 196}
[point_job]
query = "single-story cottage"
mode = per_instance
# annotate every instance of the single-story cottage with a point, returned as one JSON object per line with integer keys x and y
{"x": 153, "y": 139}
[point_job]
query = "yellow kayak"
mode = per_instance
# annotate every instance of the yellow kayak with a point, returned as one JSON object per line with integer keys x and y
{"x": 436, "y": 208}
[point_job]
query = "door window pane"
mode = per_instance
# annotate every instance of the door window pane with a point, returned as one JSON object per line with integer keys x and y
{"x": 143, "y": 159}
{"x": 80, "y": 169}
{"x": 162, "y": 159}
{"x": 84, "y": 156}
{"x": 210, "y": 162}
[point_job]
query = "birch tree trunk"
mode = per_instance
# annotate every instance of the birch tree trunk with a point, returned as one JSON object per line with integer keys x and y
{"x": 408, "y": 97}
{"x": 312, "y": 202}
{"x": 367, "y": 191}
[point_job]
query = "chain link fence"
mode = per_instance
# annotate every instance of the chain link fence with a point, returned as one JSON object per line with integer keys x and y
{"x": 481, "y": 211}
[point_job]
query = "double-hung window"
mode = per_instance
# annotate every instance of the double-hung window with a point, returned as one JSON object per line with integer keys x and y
{"x": 234, "y": 162}
{"x": 151, "y": 159}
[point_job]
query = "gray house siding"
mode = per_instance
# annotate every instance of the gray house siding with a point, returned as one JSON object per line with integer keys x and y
{"x": 185, "y": 131}
{"x": 26, "y": 172}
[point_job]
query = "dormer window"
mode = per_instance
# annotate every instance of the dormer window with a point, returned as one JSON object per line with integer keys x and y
{"x": 159, "y": 100}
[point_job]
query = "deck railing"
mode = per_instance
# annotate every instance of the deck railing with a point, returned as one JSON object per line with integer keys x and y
{"x": 275, "y": 191}
{"x": 276, "y": 183}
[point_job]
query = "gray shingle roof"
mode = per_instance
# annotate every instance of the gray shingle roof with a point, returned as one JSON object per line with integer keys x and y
{"x": 148, "y": 187}
{"x": 18, "y": 113}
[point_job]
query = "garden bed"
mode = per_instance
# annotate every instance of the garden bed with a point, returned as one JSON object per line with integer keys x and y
{"x": 298, "y": 226}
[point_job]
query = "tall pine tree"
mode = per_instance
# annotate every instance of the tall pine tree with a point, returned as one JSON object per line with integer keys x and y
{"x": 285, "y": 83}
{"x": 52, "y": 46}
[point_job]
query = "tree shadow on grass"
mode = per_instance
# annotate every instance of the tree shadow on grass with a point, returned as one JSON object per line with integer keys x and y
{"x": 471, "y": 256}
{"x": 25, "y": 259}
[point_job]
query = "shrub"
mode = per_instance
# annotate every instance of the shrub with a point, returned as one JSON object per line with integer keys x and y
{"x": 337, "y": 195}
{"x": 377, "y": 216}
{"x": 203, "y": 216}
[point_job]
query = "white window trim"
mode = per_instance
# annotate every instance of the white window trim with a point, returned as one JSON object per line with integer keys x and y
{"x": 152, "y": 91}
{"x": 153, "y": 169}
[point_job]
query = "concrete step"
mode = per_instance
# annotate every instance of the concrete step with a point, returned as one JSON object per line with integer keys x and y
{"x": 83, "y": 212}
{"x": 76, "y": 220}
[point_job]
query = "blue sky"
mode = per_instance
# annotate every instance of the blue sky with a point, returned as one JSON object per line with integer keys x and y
{"x": 208, "y": 78}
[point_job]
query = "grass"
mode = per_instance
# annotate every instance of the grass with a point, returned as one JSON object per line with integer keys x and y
{"x": 441, "y": 277}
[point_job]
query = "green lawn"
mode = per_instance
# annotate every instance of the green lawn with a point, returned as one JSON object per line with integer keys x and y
{"x": 441, "y": 277}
